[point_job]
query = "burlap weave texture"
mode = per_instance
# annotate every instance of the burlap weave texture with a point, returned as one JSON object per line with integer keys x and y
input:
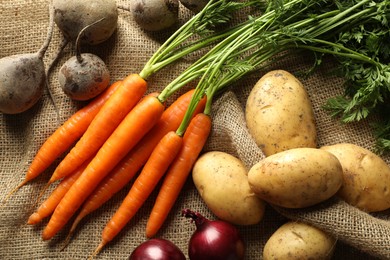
{"x": 23, "y": 27}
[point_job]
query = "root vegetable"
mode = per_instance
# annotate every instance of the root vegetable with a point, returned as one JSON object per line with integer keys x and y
{"x": 279, "y": 113}
{"x": 296, "y": 178}
{"x": 23, "y": 77}
{"x": 85, "y": 75}
{"x": 222, "y": 182}
{"x": 366, "y": 177}
{"x": 297, "y": 240}
{"x": 157, "y": 249}
{"x": 155, "y": 15}
{"x": 22, "y": 80}
{"x": 194, "y": 5}
{"x": 214, "y": 239}
{"x": 72, "y": 16}
{"x": 84, "y": 78}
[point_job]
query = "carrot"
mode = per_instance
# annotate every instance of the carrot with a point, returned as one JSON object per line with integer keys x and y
{"x": 49, "y": 205}
{"x": 127, "y": 134}
{"x": 65, "y": 136}
{"x": 193, "y": 141}
{"x": 110, "y": 115}
{"x": 158, "y": 162}
{"x": 136, "y": 158}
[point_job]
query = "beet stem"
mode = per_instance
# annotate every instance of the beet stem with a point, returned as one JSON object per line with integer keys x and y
{"x": 46, "y": 43}
{"x": 78, "y": 39}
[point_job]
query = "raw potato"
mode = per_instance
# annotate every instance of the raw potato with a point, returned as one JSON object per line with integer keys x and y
{"x": 296, "y": 240}
{"x": 222, "y": 182}
{"x": 296, "y": 178}
{"x": 71, "y": 16}
{"x": 366, "y": 177}
{"x": 279, "y": 114}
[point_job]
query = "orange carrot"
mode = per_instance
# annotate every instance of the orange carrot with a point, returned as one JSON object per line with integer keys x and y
{"x": 136, "y": 158}
{"x": 110, "y": 115}
{"x": 65, "y": 136}
{"x": 193, "y": 141}
{"x": 127, "y": 134}
{"x": 49, "y": 205}
{"x": 158, "y": 162}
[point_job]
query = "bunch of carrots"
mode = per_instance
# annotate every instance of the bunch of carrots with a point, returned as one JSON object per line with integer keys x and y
{"x": 106, "y": 158}
{"x": 126, "y": 131}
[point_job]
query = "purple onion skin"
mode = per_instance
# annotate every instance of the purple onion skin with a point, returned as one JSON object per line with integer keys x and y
{"x": 214, "y": 239}
{"x": 157, "y": 249}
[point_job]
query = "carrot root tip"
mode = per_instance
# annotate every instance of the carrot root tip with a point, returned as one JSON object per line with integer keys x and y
{"x": 150, "y": 232}
{"x": 4, "y": 202}
{"x": 66, "y": 242}
{"x": 41, "y": 194}
{"x": 97, "y": 250}
{"x": 35, "y": 218}
{"x": 71, "y": 232}
{"x": 46, "y": 234}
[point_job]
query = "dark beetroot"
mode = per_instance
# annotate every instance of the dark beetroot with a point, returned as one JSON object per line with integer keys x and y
{"x": 84, "y": 76}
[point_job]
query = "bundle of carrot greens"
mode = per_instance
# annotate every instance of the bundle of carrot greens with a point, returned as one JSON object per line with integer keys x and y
{"x": 141, "y": 134}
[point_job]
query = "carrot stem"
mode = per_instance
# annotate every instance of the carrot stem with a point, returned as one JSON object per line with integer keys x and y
{"x": 215, "y": 12}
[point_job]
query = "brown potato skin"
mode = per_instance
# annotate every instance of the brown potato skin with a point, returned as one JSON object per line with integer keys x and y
{"x": 222, "y": 182}
{"x": 366, "y": 177}
{"x": 297, "y": 240}
{"x": 279, "y": 113}
{"x": 296, "y": 178}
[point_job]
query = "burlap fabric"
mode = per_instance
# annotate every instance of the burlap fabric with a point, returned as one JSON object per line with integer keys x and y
{"x": 23, "y": 26}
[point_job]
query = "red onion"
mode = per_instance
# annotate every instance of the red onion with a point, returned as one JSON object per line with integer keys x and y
{"x": 214, "y": 239}
{"x": 157, "y": 249}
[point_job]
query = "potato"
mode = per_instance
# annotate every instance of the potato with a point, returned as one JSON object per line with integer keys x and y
{"x": 297, "y": 240}
{"x": 222, "y": 182}
{"x": 296, "y": 178}
{"x": 279, "y": 114}
{"x": 366, "y": 177}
